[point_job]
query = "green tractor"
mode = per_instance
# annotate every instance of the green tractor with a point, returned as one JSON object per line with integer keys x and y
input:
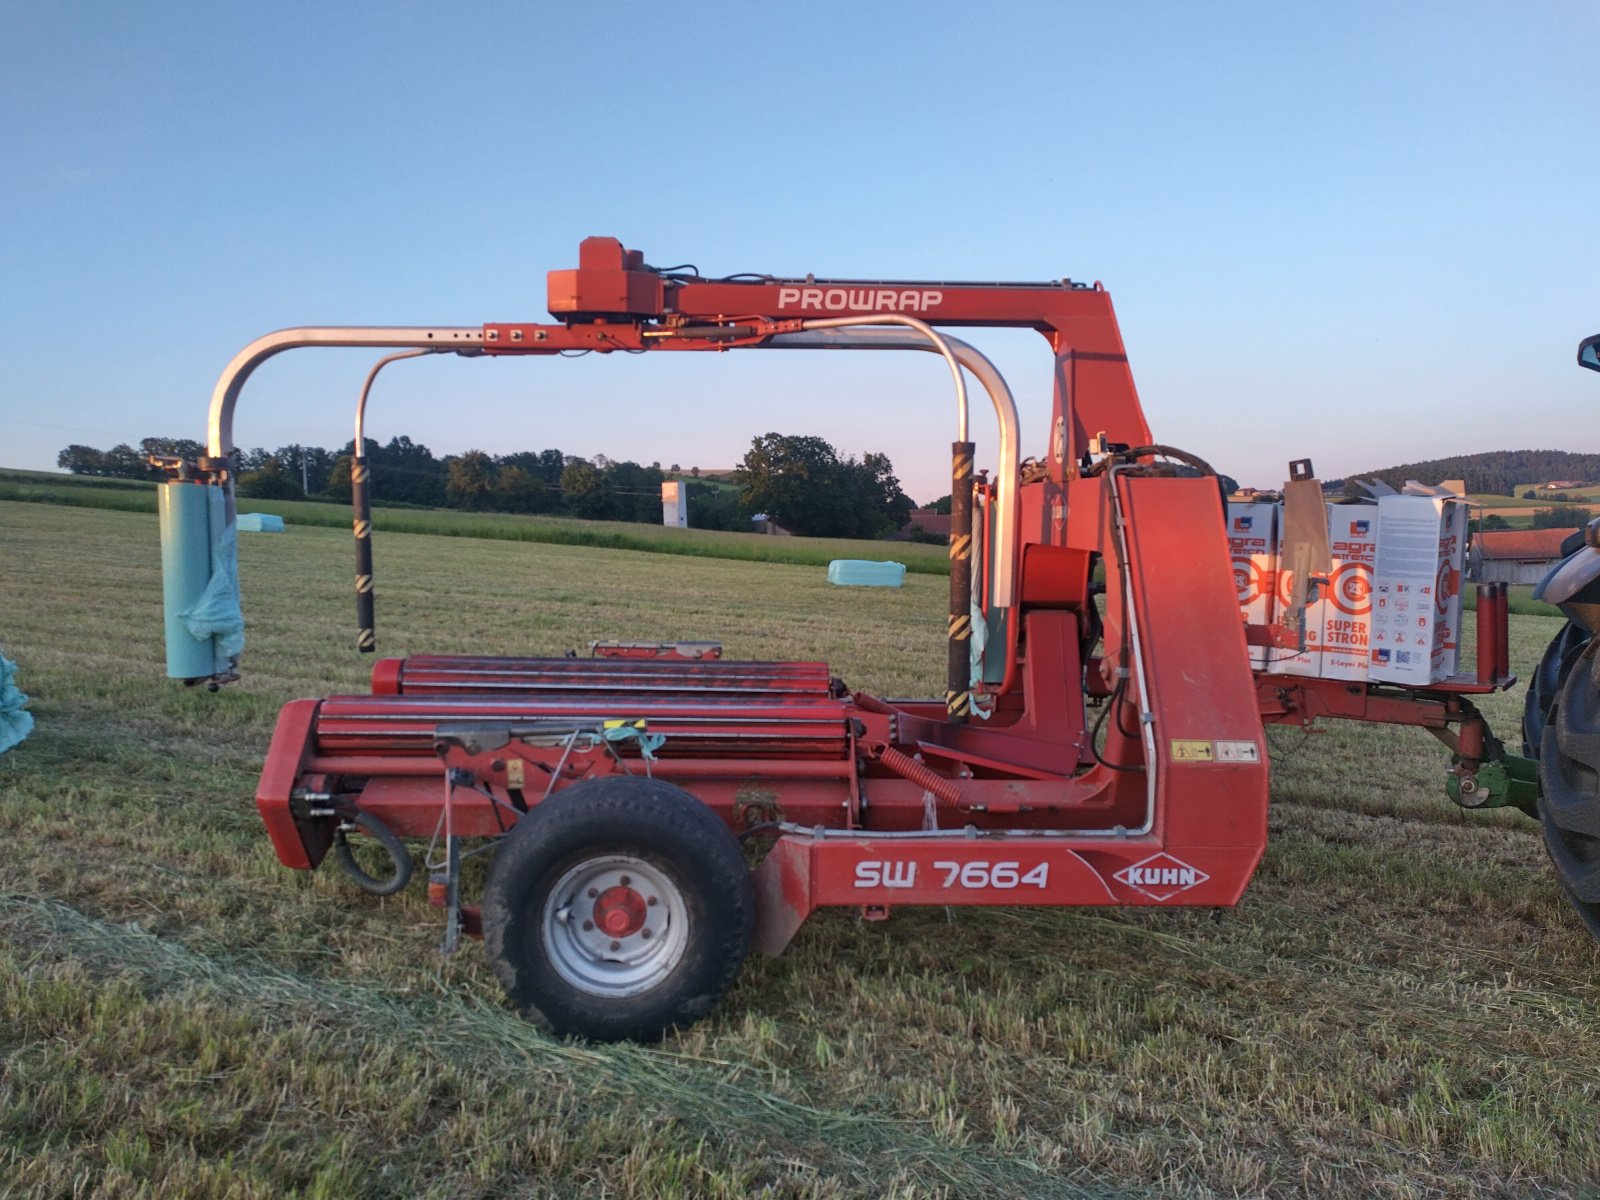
{"x": 1561, "y": 717}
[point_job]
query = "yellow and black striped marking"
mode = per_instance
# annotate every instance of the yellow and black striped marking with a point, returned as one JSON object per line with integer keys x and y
{"x": 960, "y": 547}
{"x": 958, "y": 704}
{"x": 366, "y": 640}
{"x": 363, "y": 584}
{"x": 961, "y": 627}
{"x": 358, "y": 472}
{"x": 363, "y": 529}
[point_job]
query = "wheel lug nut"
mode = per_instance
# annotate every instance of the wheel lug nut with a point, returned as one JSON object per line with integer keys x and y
{"x": 645, "y": 932}
{"x": 616, "y": 945}
{"x": 587, "y": 926}
{"x": 593, "y": 892}
{"x": 651, "y": 902}
{"x": 624, "y": 881}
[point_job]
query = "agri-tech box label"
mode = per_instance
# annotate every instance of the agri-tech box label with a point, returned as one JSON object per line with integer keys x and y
{"x": 1252, "y": 542}
{"x": 1344, "y": 615}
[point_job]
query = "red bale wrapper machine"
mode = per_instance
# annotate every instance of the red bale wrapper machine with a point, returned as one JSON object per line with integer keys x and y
{"x": 1104, "y": 746}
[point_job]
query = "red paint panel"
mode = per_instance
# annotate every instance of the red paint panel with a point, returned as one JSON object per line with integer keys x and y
{"x": 1201, "y": 688}
{"x": 286, "y": 758}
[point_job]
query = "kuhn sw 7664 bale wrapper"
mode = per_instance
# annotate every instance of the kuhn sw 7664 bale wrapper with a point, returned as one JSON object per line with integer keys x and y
{"x": 1120, "y": 758}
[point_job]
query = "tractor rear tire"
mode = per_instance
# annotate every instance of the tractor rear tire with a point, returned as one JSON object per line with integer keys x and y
{"x": 1546, "y": 682}
{"x": 619, "y": 908}
{"x": 1569, "y": 779}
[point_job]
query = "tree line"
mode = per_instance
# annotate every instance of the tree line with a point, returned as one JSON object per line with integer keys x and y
{"x": 802, "y": 483}
{"x": 1494, "y": 472}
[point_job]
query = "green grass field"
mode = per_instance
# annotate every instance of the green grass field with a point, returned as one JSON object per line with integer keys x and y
{"x": 1402, "y": 1005}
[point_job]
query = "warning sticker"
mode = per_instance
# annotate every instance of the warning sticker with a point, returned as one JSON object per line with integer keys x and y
{"x": 1192, "y": 751}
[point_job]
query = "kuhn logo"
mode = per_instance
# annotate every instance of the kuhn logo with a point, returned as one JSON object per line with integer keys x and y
{"x": 1161, "y": 877}
{"x": 838, "y": 299}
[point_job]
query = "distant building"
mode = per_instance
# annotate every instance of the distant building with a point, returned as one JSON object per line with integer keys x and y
{"x": 761, "y": 523}
{"x": 674, "y": 504}
{"x": 1558, "y": 485}
{"x": 929, "y": 522}
{"x": 1514, "y": 555}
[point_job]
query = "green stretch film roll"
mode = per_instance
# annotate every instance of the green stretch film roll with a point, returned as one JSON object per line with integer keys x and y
{"x": 185, "y": 570}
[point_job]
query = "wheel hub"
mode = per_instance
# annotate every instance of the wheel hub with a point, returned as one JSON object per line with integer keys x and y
{"x": 620, "y": 911}
{"x": 615, "y": 925}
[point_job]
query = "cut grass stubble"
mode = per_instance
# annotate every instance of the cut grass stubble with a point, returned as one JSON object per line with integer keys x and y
{"x": 1401, "y": 1006}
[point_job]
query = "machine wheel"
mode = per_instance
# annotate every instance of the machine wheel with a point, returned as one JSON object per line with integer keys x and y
{"x": 1545, "y": 684}
{"x": 617, "y": 909}
{"x": 389, "y": 871}
{"x": 1569, "y": 780}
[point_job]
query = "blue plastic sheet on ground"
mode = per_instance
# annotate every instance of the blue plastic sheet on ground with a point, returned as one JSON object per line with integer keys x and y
{"x": 259, "y": 523}
{"x": 857, "y": 572}
{"x": 218, "y": 612}
{"x": 15, "y": 722}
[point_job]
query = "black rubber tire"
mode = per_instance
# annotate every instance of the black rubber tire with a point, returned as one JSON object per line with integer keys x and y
{"x": 672, "y": 832}
{"x": 1546, "y": 682}
{"x": 1569, "y": 782}
{"x": 376, "y": 885}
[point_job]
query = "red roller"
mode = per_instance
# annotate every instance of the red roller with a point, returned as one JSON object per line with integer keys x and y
{"x": 1487, "y": 623}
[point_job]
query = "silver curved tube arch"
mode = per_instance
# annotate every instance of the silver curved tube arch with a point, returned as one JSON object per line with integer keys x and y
{"x": 225, "y": 397}
{"x": 853, "y": 333}
{"x": 1005, "y": 410}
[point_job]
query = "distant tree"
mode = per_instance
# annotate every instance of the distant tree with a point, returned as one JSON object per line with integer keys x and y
{"x": 803, "y": 484}
{"x": 123, "y": 461}
{"x": 713, "y": 507}
{"x": 82, "y": 460}
{"x": 408, "y": 471}
{"x": 1562, "y": 516}
{"x": 337, "y": 485}
{"x": 272, "y": 481}
{"x": 941, "y": 506}
{"x": 888, "y": 502}
{"x": 1530, "y": 494}
{"x": 470, "y": 481}
{"x": 515, "y": 490}
{"x": 176, "y": 447}
{"x": 637, "y": 490}
{"x": 587, "y": 492}
{"x": 308, "y": 464}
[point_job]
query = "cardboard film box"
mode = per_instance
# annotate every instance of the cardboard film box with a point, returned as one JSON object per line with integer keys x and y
{"x": 1338, "y": 622}
{"x": 1253, "y": 545}
{"x": 1416, "y": 587}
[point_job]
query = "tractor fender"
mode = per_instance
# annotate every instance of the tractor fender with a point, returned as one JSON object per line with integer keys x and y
{"x": 1568, "y": 578}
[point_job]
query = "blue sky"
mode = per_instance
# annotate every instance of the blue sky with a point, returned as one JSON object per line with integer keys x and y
{"x": 1362, "y": 233}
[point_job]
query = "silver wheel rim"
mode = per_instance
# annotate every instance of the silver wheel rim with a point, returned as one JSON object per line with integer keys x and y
{"x": 629, "y": 955}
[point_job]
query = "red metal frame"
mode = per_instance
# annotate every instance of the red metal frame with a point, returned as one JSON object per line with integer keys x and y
{"x": 873, "y": 802}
